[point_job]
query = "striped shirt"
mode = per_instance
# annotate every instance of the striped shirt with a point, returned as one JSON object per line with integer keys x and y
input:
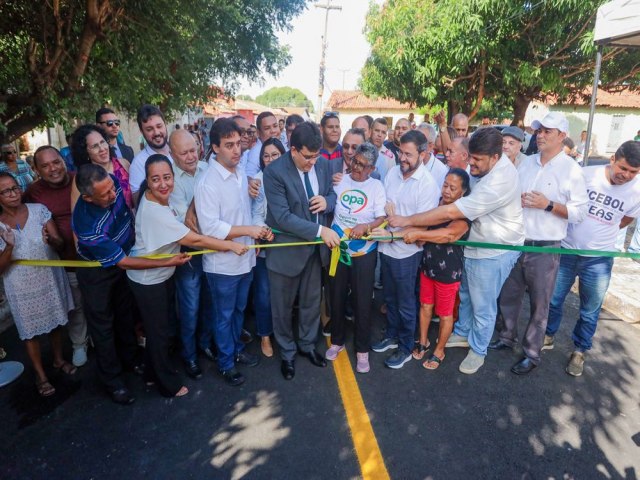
{"x": 107, "y": 234}
{"x": 335, "y": 155}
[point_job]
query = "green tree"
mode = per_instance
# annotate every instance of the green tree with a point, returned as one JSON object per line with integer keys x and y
{"x": 284, "y": 97}
{"x": 244, "y": 97}
{"x": 62, "y": 59}
{"x": 461, "y": 52}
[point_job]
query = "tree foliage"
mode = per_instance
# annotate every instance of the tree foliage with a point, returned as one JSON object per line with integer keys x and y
{"x": 61, "y": 59}
{"x": 284, "y": 97}
{"x": 460, "y": 52}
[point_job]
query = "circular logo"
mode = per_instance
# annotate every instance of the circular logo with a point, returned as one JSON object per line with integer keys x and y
{"x": 353, "y": 200}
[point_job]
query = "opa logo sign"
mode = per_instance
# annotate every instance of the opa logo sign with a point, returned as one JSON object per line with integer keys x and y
{"x": 353, "y": 200}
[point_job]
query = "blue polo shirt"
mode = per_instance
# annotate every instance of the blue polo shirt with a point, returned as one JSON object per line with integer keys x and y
{"x": 107, "y": 234}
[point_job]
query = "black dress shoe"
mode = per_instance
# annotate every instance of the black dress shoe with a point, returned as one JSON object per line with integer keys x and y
{"x": 499, "y": 345}
{"x": 288, "y": 369}
{"x": 523, "y": 367}
{"x": 209, "y": 354}
{"x": 193, "y": 370}
{"x": 122, "y": 396}
{"x": 233, "y": 377}
{"x": 317, "y": 359}
{"x": 245, "y": 336}
{"x": 248, "y": 359}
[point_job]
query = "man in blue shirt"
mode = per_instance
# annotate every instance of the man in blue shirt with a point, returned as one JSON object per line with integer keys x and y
{"x": 103, "y": 225}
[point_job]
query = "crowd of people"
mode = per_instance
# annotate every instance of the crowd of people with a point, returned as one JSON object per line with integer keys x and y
{"x": 393, "y": 202}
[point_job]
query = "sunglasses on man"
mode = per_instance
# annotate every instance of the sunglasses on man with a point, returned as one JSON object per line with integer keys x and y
{"x": 111, "y": 123}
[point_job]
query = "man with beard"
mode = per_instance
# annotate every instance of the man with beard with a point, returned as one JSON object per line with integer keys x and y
{"x": 154, "y": 130}
{"x": 496, "y": 213}
{"x": 410, "y": 190}
{"x": 110, "y": 123}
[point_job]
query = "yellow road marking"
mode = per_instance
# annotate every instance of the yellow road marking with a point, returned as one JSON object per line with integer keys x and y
{"x": 364, "y": 440}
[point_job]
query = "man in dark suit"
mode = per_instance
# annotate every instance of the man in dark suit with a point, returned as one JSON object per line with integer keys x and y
{"x": 300, "y": 197}
{"x": 108, "y": 121}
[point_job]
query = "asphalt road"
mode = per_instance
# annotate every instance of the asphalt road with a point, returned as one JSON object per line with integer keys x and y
{"x": 435, "y": 425}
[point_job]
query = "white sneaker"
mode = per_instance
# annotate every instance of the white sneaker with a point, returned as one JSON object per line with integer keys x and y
{"x": 79, "y": 356}
{"x": 457, "y": 341}
{"x": 472, "y": 363}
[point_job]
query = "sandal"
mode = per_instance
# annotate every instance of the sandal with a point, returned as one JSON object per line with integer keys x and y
{"x": 433, "y": 362}
{"x": 66, "y": 368}
{"x": 419, "y": 350}
{"x": 182, "y": 392}
{"x": 45, "y": 389}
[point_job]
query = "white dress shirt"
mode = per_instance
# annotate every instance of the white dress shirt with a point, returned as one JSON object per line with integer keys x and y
{"x": 560, "y": 180}
{"x": 313, "y": 178}
{"x": 438, "y": 170}
{"x": 222, "y": 201}
{"x": 136, "y": 170}
{"x": 416, "y": 194}
{"x": 184, "y": 185}
{"x": 253, "y": 160}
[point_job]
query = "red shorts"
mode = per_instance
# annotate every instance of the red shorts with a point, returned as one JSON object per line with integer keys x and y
{"x": 443, "y": 295}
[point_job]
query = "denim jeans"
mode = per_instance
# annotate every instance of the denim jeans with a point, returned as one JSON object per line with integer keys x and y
{"x": 399, "y": 287}
{"x": 194, "y": 308}
{"x": 229, "y": 294}
{"x": 593, "y": 275}
{"x": 262, "y": 298}
{"x": 481, "y": 283}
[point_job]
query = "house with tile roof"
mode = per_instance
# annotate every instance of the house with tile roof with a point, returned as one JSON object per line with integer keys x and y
{"x": 350, "y": 104}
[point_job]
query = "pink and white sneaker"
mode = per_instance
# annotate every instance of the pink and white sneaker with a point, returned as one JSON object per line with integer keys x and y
{"x": 333, "y": 351}
{"x": 362, "y": 364}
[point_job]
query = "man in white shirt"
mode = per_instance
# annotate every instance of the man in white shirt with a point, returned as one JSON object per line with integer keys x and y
{"x": 614, "y": 200}
{"x": 194, "y": 300}
{"x": 154, "y": 130}
{"x": 386, "y": 158}
{"x": 223, "y": 207}
{"x": 410, "y": 190}
{"x": 267, "y": 125}
{"x": 435, "y": 167}
{"x": 457, "y": 154}
{"x": 496, "y": 214}
{"x": 554, "y": 195}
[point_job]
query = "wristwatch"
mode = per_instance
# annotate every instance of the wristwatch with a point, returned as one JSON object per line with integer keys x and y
{"x": 549, "y": 207}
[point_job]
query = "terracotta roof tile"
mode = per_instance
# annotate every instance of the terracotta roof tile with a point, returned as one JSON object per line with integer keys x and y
{"x": 622, "y": 99}
{"x": 356, "y": 100}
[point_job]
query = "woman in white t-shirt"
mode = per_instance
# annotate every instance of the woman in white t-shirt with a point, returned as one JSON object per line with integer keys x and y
{"x": 158, "y": 231}
{"x": 359, "y": 208}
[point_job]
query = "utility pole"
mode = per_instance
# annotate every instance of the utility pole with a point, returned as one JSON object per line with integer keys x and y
{"x": 344, "y": 71}
{"x": 327, "y": 7}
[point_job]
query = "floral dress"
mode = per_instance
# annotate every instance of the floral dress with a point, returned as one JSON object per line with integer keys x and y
{"x": 39, "y": 297}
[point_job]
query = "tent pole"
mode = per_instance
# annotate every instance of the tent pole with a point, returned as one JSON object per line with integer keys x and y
{"x": 592, "y": 110}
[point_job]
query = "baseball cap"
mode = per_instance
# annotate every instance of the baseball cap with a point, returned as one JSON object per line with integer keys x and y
{"x": 514, "y": 132}
{"x": 552, "y": 120}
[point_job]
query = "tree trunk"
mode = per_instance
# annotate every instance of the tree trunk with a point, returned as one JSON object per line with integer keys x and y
{"x": 520, "y": 105}
{"x": 452, "y": 109}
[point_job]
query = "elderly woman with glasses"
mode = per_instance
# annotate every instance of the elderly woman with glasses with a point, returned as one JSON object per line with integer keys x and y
{"x": 360, "y": 208}
{"x": 20, "y": 169}
{"x": 89, "y": 144}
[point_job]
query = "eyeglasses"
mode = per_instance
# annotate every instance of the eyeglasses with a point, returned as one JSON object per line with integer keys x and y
{"x": 272, "y": 156}
{"x": 7, "y": 192}
{"x": 312, "y": 156}
{"x": 359, "y": 165}
{"x": 111, "y": 123}
{"x": 9, "y": 152}
{"x": 98, "y": 146}
{"x": 244, "y": 132}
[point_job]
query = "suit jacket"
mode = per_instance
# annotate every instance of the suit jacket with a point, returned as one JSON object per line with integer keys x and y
{"x": 288, "y": 211}
{"x": 127, "y": 151}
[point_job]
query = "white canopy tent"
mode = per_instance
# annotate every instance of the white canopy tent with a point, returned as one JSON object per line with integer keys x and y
{"x": 617, "y": 25}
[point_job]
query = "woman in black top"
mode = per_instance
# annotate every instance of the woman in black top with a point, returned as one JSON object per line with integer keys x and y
{"x": 441, "y": 269}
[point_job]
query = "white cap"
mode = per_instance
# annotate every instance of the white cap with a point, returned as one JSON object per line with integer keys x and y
{"x": 552, "y": 120}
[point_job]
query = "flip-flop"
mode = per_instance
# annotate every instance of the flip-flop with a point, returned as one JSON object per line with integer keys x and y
{"x": 419, "y": 350}
{"x": 45, "y": 389}
{"x": 433, "y": 360}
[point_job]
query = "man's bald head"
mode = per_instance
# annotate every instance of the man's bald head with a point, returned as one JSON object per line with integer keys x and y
{"x": 460, "y": 122}
{"x": 184, "y": 150}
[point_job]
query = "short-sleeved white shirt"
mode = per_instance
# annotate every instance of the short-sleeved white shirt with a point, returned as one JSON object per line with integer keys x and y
{"x": 560, "y": 180}
{"x": 416, "y": 194}
{"x": 358, "y": 203}
{"x": 495, "y": 209}
{"x": 157, "y": 231}
{"x": 438, "y": 170}
{"x": 222, "y": 201}
{"x": 606, "y": 206}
